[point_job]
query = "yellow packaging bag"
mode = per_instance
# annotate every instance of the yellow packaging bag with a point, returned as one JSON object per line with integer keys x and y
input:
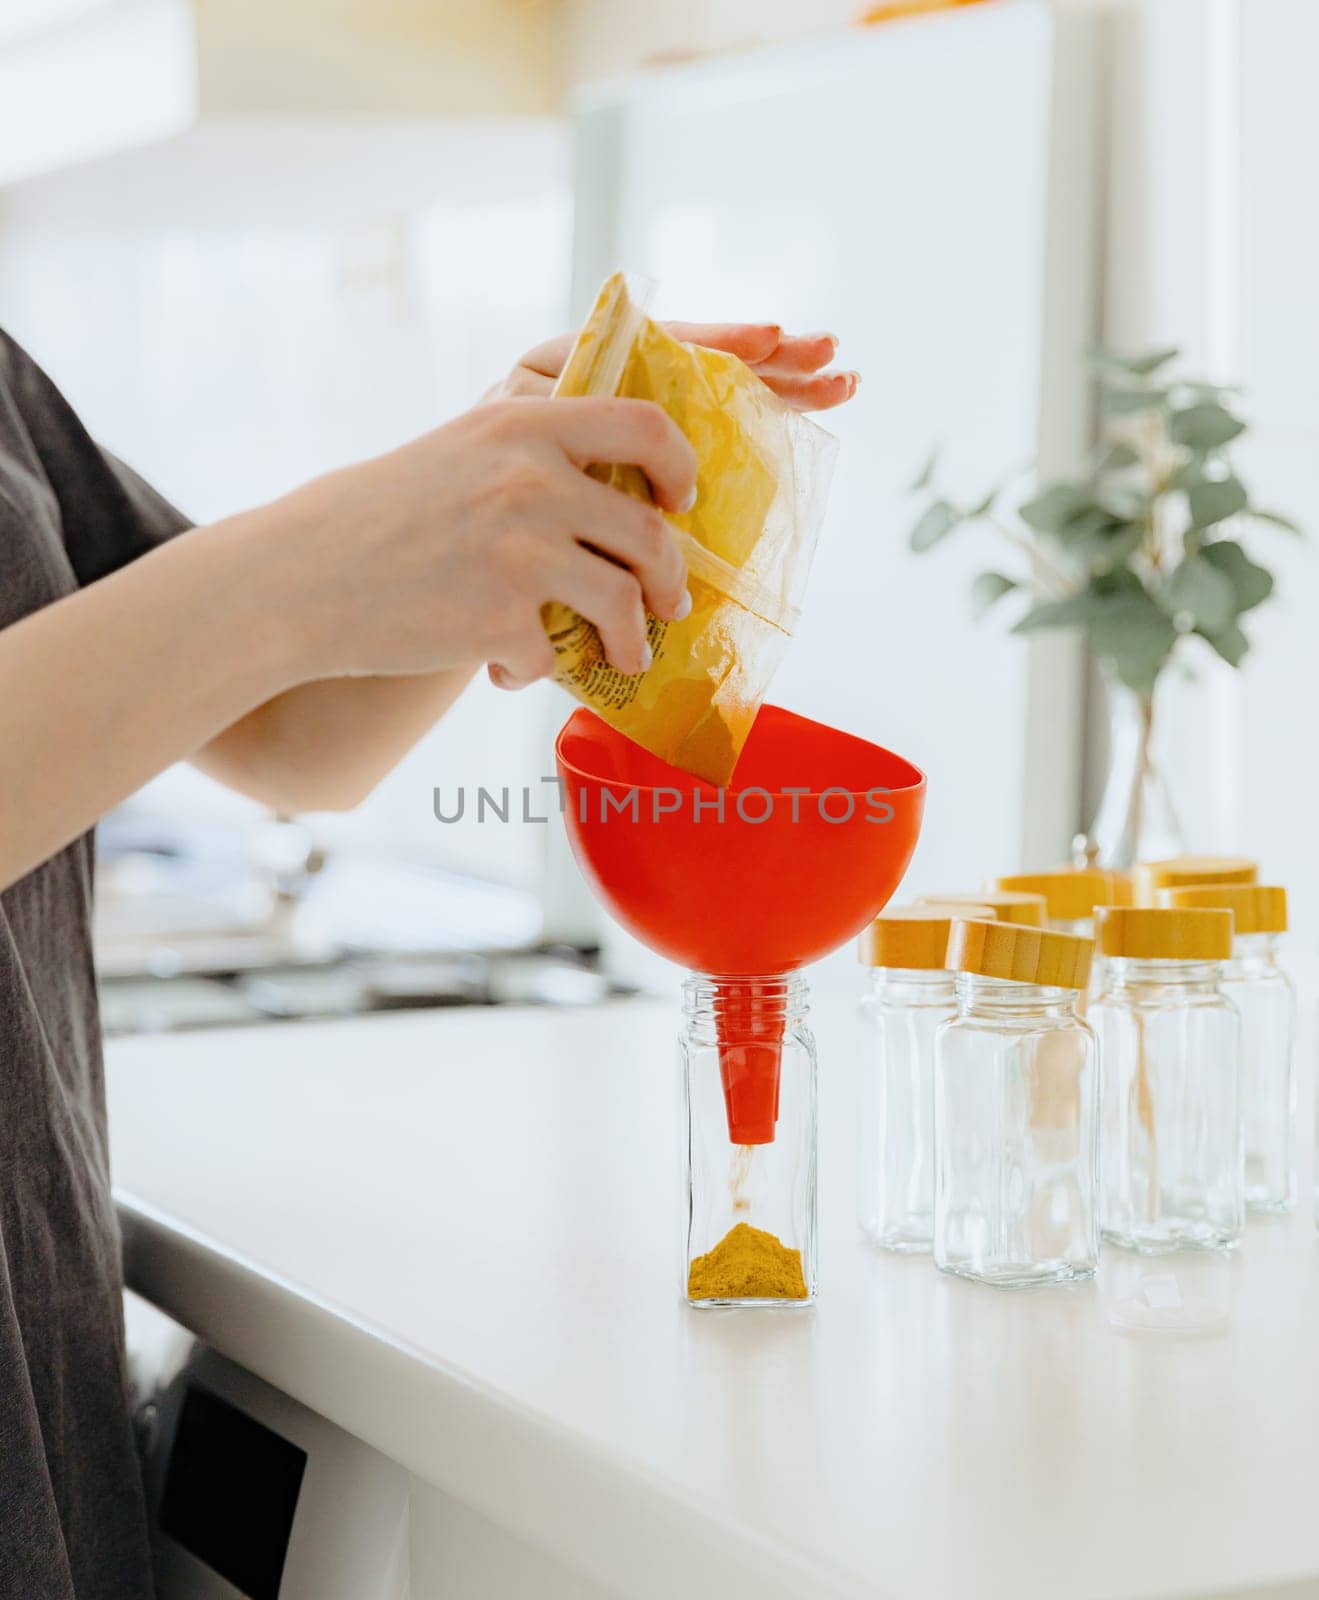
{"x": 761, "y": 483}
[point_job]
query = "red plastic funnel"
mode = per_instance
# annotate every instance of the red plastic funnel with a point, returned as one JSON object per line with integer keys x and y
{"x": 798, "y": 855}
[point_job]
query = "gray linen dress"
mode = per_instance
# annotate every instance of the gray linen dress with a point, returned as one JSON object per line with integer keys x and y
{"x": 72, "y": 1519}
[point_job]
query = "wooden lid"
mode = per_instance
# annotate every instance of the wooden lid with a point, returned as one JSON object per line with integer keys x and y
{"x": 1256, "y": 907}
{"x": 914, "y": 937}
{"x": 1180, "y": 871}
{"x": 1020, "y": 954}
{"x": 1164, "y": 933}
{"x": 1070, "y": 892}
{"x": 1005, "y": 905}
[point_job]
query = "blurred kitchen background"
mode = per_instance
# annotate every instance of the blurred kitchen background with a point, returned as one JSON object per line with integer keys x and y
{"x": 253, "y": 239}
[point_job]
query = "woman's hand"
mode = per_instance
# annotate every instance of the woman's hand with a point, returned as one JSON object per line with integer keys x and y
{"x": 442, "y": 553}
{"x": 791, "y": 364}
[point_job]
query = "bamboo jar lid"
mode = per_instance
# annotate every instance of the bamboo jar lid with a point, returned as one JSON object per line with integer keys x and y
{"x": 1020, "y": 954}
{"x": 913, "y": 937}
{"x": 1070, "y": 893}
{"x": 1165, "y": 933}
{"x": 1256, "y": 907}
{"x": 1027, "y": 910}
{"x": 1179, "y": 872}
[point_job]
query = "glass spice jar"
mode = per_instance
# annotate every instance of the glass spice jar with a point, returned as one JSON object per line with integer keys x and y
{"x": 1177, "y": 872}
{"x": 749, "y": 1092}
{"x": 911, "y": 993}
{"x": 1070, "y": 895}
{"x": 1016, "y": 1103}
{"x": 1005, "y": 905}
{"x": 1262, "y": 992}
{"x": 1171, "y": 1146}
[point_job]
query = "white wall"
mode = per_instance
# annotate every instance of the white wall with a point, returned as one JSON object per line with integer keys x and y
{"x": 1212, "y": 246}
{"x": 1276, "y": 767}
{"x": 1211, "y": 117}
{"x": 230, "y": 342}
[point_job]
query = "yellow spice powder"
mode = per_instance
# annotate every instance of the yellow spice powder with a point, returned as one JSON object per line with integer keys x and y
{"x": 747, "y": 1264}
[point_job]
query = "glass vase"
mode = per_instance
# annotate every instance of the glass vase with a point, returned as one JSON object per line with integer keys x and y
{"x": 1136, "y": 820}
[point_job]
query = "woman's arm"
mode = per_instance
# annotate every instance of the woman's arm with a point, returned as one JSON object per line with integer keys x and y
{"x": 324, "y": 746}
{"x": 430, "y": 560}
{"x": 102, "y": 690}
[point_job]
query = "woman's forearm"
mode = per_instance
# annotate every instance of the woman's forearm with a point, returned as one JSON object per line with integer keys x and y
{"x": 418, "y": 564}
{"x": 324, "y": 746}
{"x": 104, "y": 689}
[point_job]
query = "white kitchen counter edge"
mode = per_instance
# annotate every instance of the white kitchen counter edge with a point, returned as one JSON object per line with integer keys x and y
{"x": 628, "y": 1530}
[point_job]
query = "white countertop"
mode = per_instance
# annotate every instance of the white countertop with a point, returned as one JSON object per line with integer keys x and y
{"x": 457, "y": 1235}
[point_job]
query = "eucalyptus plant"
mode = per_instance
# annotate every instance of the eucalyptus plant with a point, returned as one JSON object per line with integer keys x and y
{"x": 1146, "y": 547}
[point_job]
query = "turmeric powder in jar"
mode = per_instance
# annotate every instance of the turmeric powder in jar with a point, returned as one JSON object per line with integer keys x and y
{"x": 747, "y": 1264}
{"x": 749, "y": 1085}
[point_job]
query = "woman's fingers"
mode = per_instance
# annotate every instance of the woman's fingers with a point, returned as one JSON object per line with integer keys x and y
{"x": 756, "y": 343}
{"x": 820, "y": 393}
{"x": 525, "y": 660}
{"x": 523, "y": 383}
{"x": 804, "y": 354}
{"x": 610, "y": 597}
{"x": 780, "y": 359}
{"x": 763, "y": 346}
{"x": 752, "y": 342}
{"x": 547, "y": 359}
{"x": 630, "y": 531}
{"x": 634, "y": 432}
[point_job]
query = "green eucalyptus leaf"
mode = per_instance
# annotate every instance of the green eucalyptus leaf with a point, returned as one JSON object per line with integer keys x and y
{"x": 1125, "y": 626}
{"x": 1278, "y": 521}
{"x": 1205, "y": 426}
{"x": 988, "y": 589}
{"x": 1188, "y": 474}
{"x": 1229, "y": 641}
{"x": 1125, "y": 402}
{"x": 1195, "y": 390}
{"x": 925, "y": 477}
{"x": 1134, "y": 635}
{"x": 1123, "y": 504}
{"x": 1137, "y": 365}
{"x": 1056, "y": 505}
{"x": 1075, "y": 609}
{"x": 1200, "y": 590}
{"x": 1091, "y": 531}
{"x": 1116, "y": 458}
{"x": 1215, "y": 499}
{"x": 983, "y": 507}
{"x": 936, "y": 522}
{"x": 1093, "y": 523}
{"x": 1116, "y": 548}
{"x": 1251, "y": 584}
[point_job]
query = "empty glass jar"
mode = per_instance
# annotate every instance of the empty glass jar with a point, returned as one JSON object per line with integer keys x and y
{"x": 1262, "y": 992}
{"x": 1171, "y": 1149}
{"x": 1071, "y": 895}
{"x": 1177, "y": 872}
{"x": 911, "y": 993}
{"x": 1016, "y": 1103}
{"x": 1004, "y": 905}
{"x": 749, "y": 1090}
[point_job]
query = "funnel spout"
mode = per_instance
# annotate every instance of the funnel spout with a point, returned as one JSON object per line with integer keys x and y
{"x": 749, "y": 1021}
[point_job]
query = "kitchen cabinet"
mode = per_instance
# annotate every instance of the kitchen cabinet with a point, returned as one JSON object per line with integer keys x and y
{"x": 84, "y": 79}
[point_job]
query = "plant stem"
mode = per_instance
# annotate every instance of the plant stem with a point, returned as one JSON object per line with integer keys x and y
{"x": 1041, "y": 565}
{"x": 1144, "y": 1096}
{"x": 1143, "y": 762}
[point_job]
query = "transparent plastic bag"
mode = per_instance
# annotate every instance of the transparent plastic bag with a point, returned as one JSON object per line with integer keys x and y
{"x": 762, "y": 480}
